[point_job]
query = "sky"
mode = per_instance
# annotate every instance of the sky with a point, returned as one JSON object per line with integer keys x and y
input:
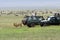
{"x": 30, "y": 3}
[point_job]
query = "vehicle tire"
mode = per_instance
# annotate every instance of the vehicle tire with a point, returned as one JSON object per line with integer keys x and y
{"x": 42, "y": 25}
{"x": 31, "y": 25}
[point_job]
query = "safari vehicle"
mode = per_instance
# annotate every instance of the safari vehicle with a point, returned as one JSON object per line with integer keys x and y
{"x": 31, "y": 21}
{"x": 52, "y": 20}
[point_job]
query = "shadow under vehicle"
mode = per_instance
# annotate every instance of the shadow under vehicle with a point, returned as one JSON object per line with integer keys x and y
{"x": 31, "y": 21}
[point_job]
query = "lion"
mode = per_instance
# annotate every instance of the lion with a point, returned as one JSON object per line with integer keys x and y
{"x": 18, "y": 24}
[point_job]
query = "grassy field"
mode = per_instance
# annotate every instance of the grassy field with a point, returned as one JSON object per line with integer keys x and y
{"x": 9, "y": 32}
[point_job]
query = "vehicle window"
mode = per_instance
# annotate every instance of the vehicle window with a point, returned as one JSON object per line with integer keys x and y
{"x": 34, "y": 18}
{"x": 53, "y": 18}
{"x": 40, "y": 18}
{"x": 29, "y": 18}
{"x": 58, "y": 18}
